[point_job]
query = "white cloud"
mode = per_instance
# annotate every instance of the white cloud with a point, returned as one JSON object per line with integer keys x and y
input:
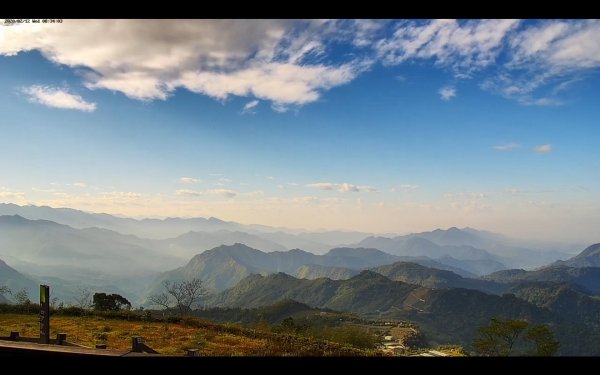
{"x": 447, "y": 92}
{"x": 542, "y": 102}
{"x": 253, "y": 194}
{"x": 404, "y": 187}
{"x": 188, "y": 192}
{"x": 222, "y": 192}
{"x": 122, "y": 195}
{"x": 286, "y": 62}
{"x": 343, "y": 187}
{"x": 79, "y": 184}
{"x": 250, "y": 106}
{"x": 12, "y": 196}
{"x": 57, "y": 98}
{"x": 543, "y": 149}
{"x": 464, "y": 46}
{"x": 148, "y": 59}
{"x": 466, "y": 195}
{"x": 549, "y": 53}
{"x": 562, "y": 45}
{"x": 188, "y": 180}
{"x": 507, "y": 147}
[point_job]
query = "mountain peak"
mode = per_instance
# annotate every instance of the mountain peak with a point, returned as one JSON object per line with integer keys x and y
{"x": 590, "y": 250}
{"x": 215, "y": 220}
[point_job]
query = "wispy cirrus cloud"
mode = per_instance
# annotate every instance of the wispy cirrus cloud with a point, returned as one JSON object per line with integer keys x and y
{"x": 57, "y": 98}
{"x": 462, "y": 46}
{"x": 189, "y": 180}
{"x": 507, "y": 147}
{"x": 222, "y": 192}
{"x": 250, "y": 106}
{"x": 188, "y": 193}
{"x": 404, "y": 187}
{"x": 343, "y": 187}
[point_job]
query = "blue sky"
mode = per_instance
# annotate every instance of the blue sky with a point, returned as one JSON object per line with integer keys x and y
{"x": 382, "y": 126}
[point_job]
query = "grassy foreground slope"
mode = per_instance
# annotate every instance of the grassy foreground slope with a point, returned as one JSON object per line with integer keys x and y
{"x": 176, "y": 338}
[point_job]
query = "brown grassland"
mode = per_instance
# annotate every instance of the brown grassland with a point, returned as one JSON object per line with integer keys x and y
{"x": 175, "y": 338}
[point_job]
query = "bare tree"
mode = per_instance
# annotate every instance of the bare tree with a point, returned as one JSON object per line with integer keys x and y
{"x": 4, "y": 290}
{"x": 55, "y": 303}
{"x": 22, "y": 297}
{"x": 182, "y": 295}
{"x": 83, "y": 300}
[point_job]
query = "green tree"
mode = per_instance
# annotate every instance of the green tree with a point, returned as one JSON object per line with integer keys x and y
{"x": 500, "y": 338}
{"x": 110, "y": 302}
{"x": 543, "y": 339}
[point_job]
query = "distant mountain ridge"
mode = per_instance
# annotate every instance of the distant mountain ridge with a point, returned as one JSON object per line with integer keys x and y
{"x": 224, "y": 266}
{"x": 590, "y": 257}
{"x": 160, "y": 229}
{"x": 484, "y": 252}
{"x": 587, "y": 278}
{"x": 445, "y": 315}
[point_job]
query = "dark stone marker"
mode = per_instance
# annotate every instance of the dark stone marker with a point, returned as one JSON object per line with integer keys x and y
{"x": 14, "y": 336}
{"x": 193, "y": 353}
{"x": 44, "y": 314}
{"x": 136, "y": 344}
{"x": 61, "y": 338}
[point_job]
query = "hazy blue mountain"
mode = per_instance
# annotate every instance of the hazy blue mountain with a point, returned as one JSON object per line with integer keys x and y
{"x": 48, "y": 244}
{"x": 474, "y": 266}
{"x": 466, "y": 257}
{"x": 590, "y": 257}
{"x": 146, "y": 228}
{"x": 587, "y": 278}
{"x": 468, "y": 244}
{"x": 512, "y": 252}
{"x": 192, "y": 243}
{"x": 356, "y": 258}
{"x": 417, "y": 274}
{"x": 174, "y": 227}
{"x": 334, "y": 238}
{"x": 292, "y": 241}
{"x": 224, "y": 266}
{"x": 16, "y": 281}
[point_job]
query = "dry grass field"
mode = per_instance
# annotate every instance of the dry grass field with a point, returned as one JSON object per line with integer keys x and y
{"x": 175, "y": 338}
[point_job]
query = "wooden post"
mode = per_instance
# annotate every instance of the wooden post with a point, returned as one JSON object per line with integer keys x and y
{"x": 61, "y": 338}
{"x": 14, "y": 336}
{"x": 193, "y": 353}
{"x": 136, "y": 344}
{"x": 44, "y": 314}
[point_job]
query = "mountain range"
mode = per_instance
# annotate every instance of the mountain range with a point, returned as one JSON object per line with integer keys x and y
{"x": 444, "y": 315}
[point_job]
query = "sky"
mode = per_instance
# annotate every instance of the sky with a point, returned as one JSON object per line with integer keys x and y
{"x": 371, "y": 125}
